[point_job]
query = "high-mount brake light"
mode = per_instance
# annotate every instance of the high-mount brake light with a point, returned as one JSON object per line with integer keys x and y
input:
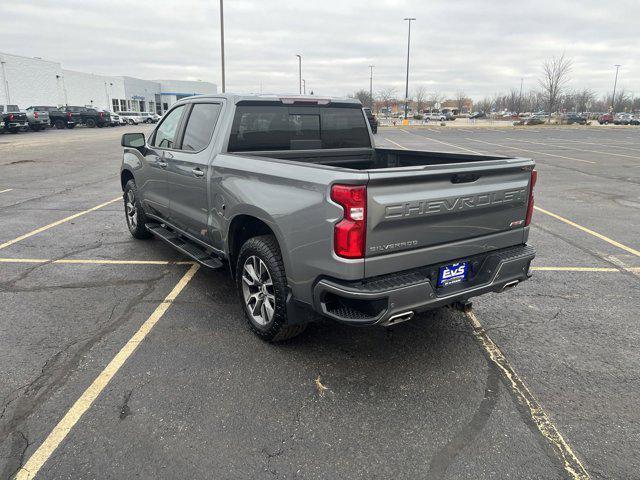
{"x": 305, "y": 100}
{"x": 349, "y": 233}
{"x": 532, "y": 183}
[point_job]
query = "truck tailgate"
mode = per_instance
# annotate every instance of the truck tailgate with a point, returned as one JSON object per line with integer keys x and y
{"x": 426, "y": 215}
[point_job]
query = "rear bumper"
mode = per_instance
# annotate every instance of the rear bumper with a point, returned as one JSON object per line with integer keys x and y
{"x": 387, "y": 299}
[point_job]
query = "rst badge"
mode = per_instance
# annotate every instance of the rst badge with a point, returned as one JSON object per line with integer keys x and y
{"x": 452, "y": 274}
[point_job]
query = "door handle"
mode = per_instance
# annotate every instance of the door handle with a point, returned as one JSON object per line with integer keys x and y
{"x": 197, "y": 172}
{"x": 161, "y": 164}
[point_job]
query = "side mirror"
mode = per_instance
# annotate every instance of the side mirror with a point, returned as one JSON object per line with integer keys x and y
{"x": 133, "y": 140}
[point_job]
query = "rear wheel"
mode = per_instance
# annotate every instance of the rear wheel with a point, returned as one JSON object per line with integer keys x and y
{"x": 131, "y": 122}
{"x": 136, "y": 219}
{"x": 262, "y": 286}
{"x": 14, "y": 130}
{"x": 71, "y": 126}
{"x": 35, "y": 128}
{"x": 59, "y": 124}
{"x": 91, "y": 123}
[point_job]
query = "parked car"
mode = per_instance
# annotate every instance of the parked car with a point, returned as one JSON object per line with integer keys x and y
{"x": 14, "y": 119}
{"x": 436, "y": 117}
{"x": 310, "y": 216}
{"x": 371, "y": 118}
{"x": 132, "y": 118}
{"x": 605, "y": 119}
{"x": 635, "y": 120}
{"x": 90, "y": 117}
{"x": 476, "y": 115}
{"x": 532, "y": 120}
{"x": 149, "y": 117}
{"x": 114, "y": 119}
{"x": 58, "y": 117}
{"x": 38, "y": 119}
{"x": 622, "y": 119}
{"x": 573, "y": 118}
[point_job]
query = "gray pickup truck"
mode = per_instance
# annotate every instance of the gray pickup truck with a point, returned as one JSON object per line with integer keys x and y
{"x": 292, "y": 194}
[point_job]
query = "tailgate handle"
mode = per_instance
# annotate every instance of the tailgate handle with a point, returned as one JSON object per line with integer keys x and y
{"x": 464, "y": 177}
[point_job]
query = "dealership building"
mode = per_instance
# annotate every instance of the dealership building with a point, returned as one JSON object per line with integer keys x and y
{"x": 26, "y": 81}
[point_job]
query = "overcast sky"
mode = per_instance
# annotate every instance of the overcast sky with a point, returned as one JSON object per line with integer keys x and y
{"x": 481, "y": 47}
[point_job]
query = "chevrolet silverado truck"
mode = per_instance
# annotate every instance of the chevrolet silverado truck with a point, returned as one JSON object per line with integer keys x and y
{"x": 292, "y": 195}
{"x": 14, "y": 120}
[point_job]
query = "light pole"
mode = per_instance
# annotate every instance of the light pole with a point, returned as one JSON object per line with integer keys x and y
{"x": 222, "y": 42}
{"x": 371, "y": 86}
{"x": 304, "y": 86}
{"x": 615, "y": 83}
{"x": 520, "y": 99}
{"x": 299, "y": 72}
{"x": 5, "y": 81}
{"x": 406, "y": 90}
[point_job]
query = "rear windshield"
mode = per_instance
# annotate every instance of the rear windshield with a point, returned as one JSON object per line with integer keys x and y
{"x": 279, "y": 127}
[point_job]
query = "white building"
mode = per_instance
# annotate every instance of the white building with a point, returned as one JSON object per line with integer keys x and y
{"x": 28, "y": 81}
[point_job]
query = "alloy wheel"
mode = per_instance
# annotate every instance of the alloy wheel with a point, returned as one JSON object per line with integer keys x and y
{"x": 131, "y": 210}
{"x": 257, "y": 290}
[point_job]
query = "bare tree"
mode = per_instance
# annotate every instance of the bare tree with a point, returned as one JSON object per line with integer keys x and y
{"x": 420, "y": 96}
{"x": 363, "y": 96}
{"x": 484, "y": 105}
{"x": 461, "y": 99}
{"x": 555, "y": 75}
{"x": 436, "y": 97}
{"x": 386, "y": 96}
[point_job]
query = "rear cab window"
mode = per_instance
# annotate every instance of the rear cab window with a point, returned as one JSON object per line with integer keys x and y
{"x": 264, "y": 126}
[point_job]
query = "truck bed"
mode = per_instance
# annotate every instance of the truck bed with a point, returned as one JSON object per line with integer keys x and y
{"x": 375, "y": 159}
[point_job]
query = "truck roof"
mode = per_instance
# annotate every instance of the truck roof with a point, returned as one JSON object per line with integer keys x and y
{"x": 286, "y": 99}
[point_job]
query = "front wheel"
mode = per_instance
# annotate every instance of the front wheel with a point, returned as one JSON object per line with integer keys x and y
{"x": 91, "y": 123}
{"x": 136, "y": 219}
{"x": 262, "y": 286}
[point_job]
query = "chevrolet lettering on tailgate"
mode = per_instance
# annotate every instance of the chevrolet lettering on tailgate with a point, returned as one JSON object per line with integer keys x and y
{"x": 446, "y": 205}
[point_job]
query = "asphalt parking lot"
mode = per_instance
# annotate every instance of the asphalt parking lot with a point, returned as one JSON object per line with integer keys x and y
{"x": 120, "y": 359}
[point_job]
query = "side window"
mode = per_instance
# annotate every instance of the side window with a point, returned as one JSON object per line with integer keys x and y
{"x": 200, "y": 126}
{"x": 166, "y": 133}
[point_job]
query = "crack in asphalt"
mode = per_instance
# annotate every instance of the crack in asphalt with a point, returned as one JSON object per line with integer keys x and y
{"x": 443, "y": 459}
{"x": 57, "y": 370}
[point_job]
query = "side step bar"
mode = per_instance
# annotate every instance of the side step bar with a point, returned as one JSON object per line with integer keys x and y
{"x": 186, "y": 247}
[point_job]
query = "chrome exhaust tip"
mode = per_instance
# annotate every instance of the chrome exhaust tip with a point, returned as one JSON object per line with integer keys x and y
{"x": 509, "y": 285}
{"x": 399, "y": 318}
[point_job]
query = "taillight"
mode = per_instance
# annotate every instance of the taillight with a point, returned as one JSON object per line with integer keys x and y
{"x": 534, "y": 179}
{"x": 101, "y": 114}
{"x": 349, "y": 233}
{"x": 68, "y": 114}
{"x": 11, "y": 117}
{"x": 35, "y": 115}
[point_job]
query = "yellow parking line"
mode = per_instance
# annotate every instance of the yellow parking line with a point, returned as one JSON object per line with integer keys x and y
{"x": 396, "y": 144}
{"x": 589, "y": 231}
{"x": 444, "y": 143}
{"x": 576, "y": 269}
{"x": 80, "y": 261}
{"x": 532, "y": 151}
{"x": 55, "y": 224}
{"x": 573, "y": 148}
{"x": 31, "y": 468}
{"x": 570, "y": 461}
{"x": 6, "y": 190}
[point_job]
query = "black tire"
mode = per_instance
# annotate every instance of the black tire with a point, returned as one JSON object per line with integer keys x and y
{"x": 265, "y": 248}
{"x": 100, "y": 125}
{"x": 34, "y": 128}
{"x": 136, "y": 219}
{"x": 71, "y": 126}
{"x": 91, "y": 123}
{"x": 60, "y": 124}
{"x": 131, "y": 122}
{"x": 14, "y": 130}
